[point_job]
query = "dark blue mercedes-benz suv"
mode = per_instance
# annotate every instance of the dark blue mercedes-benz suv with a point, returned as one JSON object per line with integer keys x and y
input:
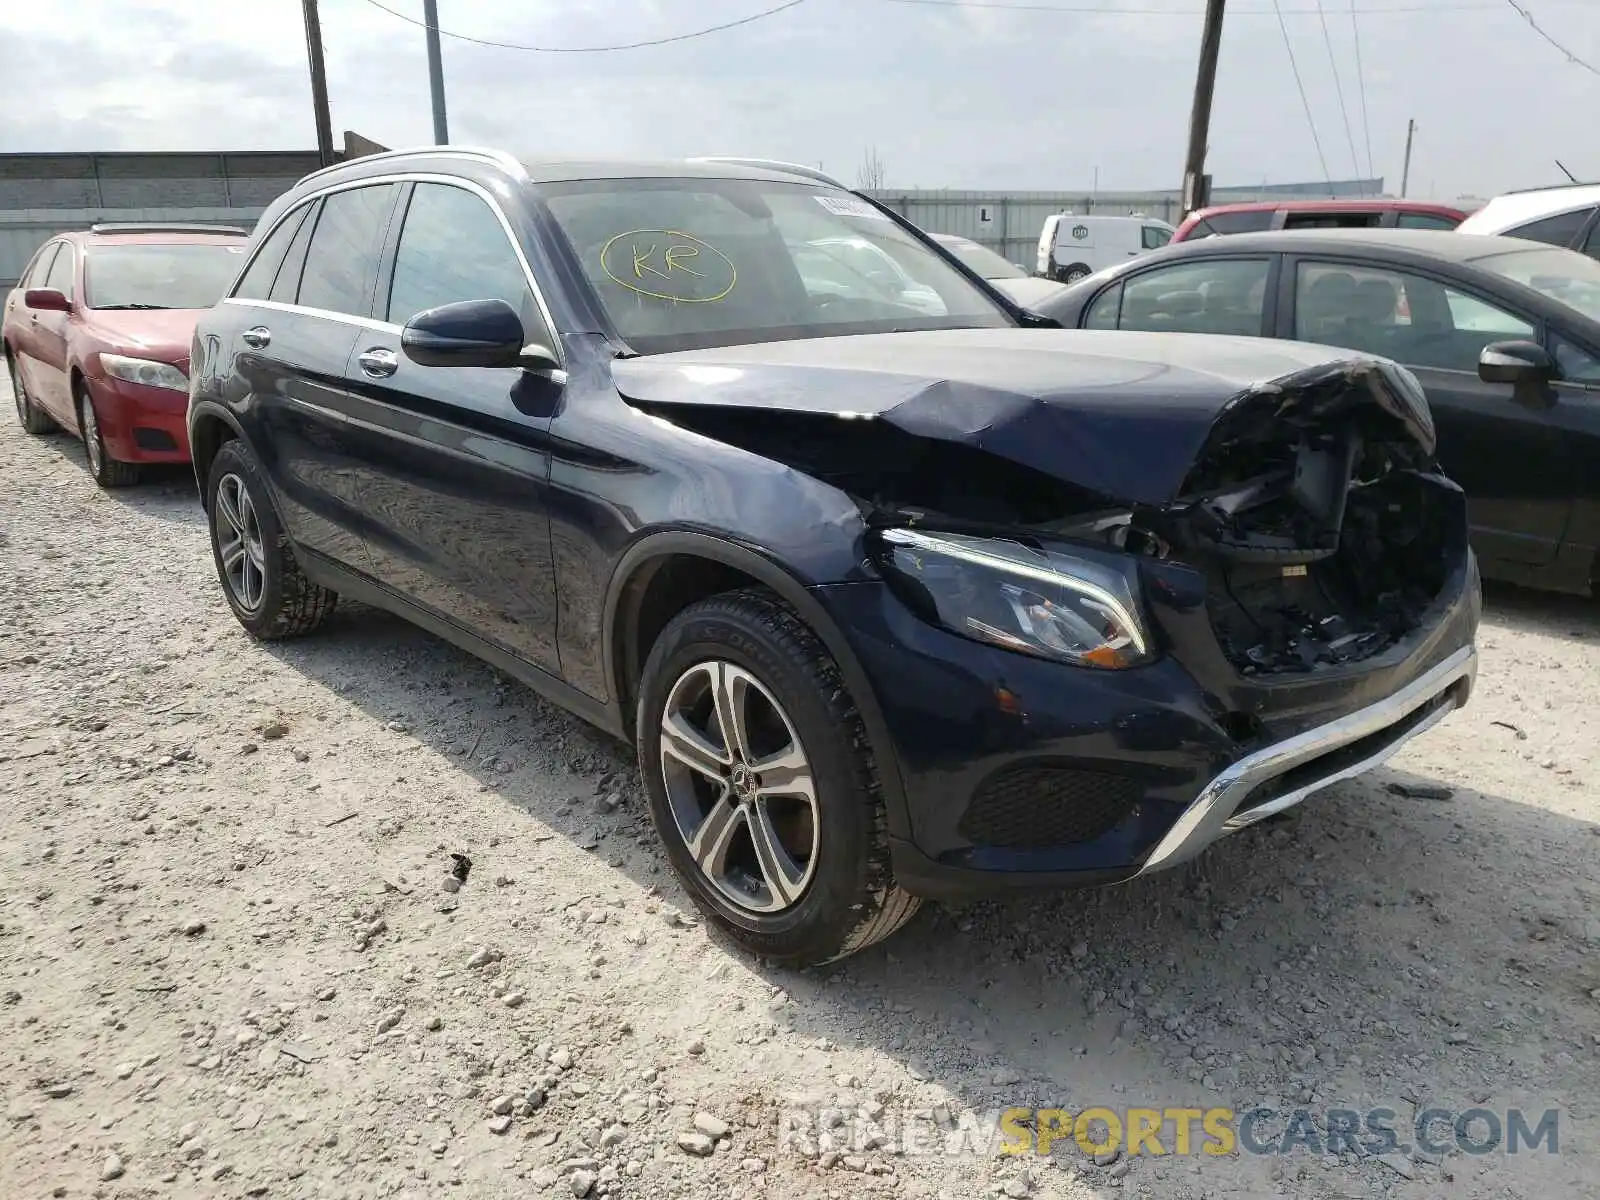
{"x": 897, "y": 591}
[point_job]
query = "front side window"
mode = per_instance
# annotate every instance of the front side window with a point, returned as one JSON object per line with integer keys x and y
{"x": 685, "y": 263}
{"x": 1249, "y": 221}
{"x": 1105, "y": 311}
{"x": 1558, "y": 230}
{"x": 342, "y": 261}
{"x": 452, "y": 248}
{"x": 257, "y": 281}
{"x": 1225, "y": 296}
{"x": 1153, "y": 237}
{"x": 60, "y": 276}
{"x": 143, "y": 275}
{"x": 1410, "y": 318}
{"x": 1575, "y": 364}
{"x": 40, "y": 271}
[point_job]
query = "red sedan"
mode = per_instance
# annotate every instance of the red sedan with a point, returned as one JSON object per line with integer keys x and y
{"x": 97, "y": 334}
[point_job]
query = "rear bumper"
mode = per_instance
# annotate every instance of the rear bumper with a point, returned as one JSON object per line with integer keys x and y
{"x": 141, "y": 424}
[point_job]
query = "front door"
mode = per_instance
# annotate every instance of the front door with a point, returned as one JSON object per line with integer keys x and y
{"x": 455, "y": 464}
{"x": 48, "y": 383}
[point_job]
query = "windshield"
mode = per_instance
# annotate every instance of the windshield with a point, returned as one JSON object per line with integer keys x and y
{"x": 1561, "y": 275}
{"x": 145, "y": 275}
{"x": 681, "y": 264}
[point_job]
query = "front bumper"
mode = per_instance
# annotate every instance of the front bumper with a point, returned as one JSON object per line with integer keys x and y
{"x": 142, "y": 424}
{"x": 1125, "y": 772}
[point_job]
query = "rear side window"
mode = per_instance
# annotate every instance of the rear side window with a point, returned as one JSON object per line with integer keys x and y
{"x": 1225, "y": 296}
{"x": 342, "y": 261}
{"x": 60, "y": 276}
{"x": 1409, "y": 220}
{"x": 41, "y": 266}
{"x": 452, "y": 248}
{"x": 1252, "y": 221}
{"x": 287, "y": 286}
{"x": 1558, "y": 230}
{"x": 256, "y": 283}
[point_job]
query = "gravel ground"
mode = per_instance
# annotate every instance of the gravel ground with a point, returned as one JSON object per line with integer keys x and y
{"x": 234, "y": 961}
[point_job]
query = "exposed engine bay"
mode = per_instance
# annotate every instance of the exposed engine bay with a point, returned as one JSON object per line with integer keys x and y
{"x": 1313, "y": 508}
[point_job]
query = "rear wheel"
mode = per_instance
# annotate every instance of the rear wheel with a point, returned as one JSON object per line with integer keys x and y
{"x": 33, "y": 420}
{"x": 263, "y": 583}
{"x": 108, "y": 472}
{"x": 1074, "y": 273}
{"x": 762, "y": 785}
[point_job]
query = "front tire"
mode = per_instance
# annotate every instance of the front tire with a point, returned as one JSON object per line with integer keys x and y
{"x": 33, "y": 420}
{"x": 261, "y": 579}
{"x": 762, "y": 785}
{"x": 108, "y": 472}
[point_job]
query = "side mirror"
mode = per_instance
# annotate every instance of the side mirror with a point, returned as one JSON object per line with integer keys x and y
{"x": 47, "y": 300}
{"x": 1526, "y": 366}
{"x": 472, "y": 333}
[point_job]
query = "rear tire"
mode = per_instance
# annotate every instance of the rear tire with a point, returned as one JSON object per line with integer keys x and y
{"x": 1075, "y": 272}
{"x": 798, "y": 769}
{"x": 33, "y": 420}
{"x": 261, "y": 578}
{"x": 108, "y": 472}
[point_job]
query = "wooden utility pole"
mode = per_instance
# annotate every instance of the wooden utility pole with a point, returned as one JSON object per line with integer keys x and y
{"x": 430, "y": 18}
{"x": 319, "y": 83}
{"x": 1405, "y": 171}
{"x": 1196, "y": 185}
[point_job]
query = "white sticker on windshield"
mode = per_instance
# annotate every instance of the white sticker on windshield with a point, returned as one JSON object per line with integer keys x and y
{"x": 850, "y": 206}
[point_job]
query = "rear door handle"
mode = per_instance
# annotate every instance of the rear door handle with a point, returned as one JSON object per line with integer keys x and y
{"x": 257, "y": 336}
{"x": 378, "y": 362}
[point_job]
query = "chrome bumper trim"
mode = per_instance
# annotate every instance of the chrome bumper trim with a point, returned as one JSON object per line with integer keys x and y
{"x": 1211, "y": 815}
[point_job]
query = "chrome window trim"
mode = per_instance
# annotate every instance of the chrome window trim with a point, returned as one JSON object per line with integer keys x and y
{"x": 307, "y": 310}
{"x": 468, "y": 185}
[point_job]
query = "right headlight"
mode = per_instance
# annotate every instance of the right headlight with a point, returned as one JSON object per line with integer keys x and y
{"x": 1046, "y": 603}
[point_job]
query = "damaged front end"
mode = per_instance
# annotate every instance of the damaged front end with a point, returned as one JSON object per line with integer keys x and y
{"x": 1319, "y": 518}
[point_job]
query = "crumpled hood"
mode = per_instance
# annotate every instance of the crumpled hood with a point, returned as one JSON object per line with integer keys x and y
{"x": 1121, "y": 414}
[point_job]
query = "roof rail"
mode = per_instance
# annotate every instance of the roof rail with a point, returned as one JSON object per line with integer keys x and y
{"x": 1552, "y": 187}
{"x": 788, "y": 168}
{"x": 484, "y": 153}
{"x": 164, "y": 227}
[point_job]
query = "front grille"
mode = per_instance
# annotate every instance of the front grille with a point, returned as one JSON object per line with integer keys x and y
{"x": 154, "y": 439}
{"x": 1048, "y": 806}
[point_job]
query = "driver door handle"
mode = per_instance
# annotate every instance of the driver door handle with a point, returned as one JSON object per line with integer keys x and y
{"x": 378, "y": 362}
{"x": 257, "y": 336}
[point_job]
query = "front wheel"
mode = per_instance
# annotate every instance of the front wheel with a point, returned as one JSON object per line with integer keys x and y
{"x": 108, "y": 472}
{"x": 762, "y": 785}
{"x": 266, "y": 589}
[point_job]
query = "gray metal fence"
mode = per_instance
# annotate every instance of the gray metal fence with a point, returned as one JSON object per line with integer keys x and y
{"x": 42, "y": 194}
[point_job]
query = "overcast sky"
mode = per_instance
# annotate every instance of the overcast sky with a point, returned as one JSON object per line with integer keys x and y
{"x": 952, "y": 96}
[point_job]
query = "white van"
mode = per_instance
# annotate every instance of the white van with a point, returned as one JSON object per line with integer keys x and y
{"x": 1071, "y": 247}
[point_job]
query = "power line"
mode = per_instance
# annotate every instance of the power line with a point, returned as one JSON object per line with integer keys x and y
{"x": 1338, "y": 88}
{"x": 677, "y": 37}
{"x": 1300, "y": 85}
{"x": 1534, "y": 25}
{"x": 1108, "y": 10}
{"x": 1361, "y": 85}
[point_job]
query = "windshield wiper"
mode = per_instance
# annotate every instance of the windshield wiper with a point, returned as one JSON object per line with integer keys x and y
{"x": 120, "y": 307}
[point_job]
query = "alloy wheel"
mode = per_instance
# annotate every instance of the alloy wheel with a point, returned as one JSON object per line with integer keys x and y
{"x": 239, "y": 546}
{"x": 91, "y": 437}
{"x": 740, "y": 787}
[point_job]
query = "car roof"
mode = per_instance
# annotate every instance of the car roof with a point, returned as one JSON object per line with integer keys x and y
{"x": 1347, "y": 205}
{"x": 1432, "y": 243}
{"x": 1514, "y": 208}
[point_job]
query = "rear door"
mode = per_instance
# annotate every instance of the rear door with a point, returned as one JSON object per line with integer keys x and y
{"x": 1513, "y": 463}
{"x": 292, "y": 350}
{"x": 454, "y": 461}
